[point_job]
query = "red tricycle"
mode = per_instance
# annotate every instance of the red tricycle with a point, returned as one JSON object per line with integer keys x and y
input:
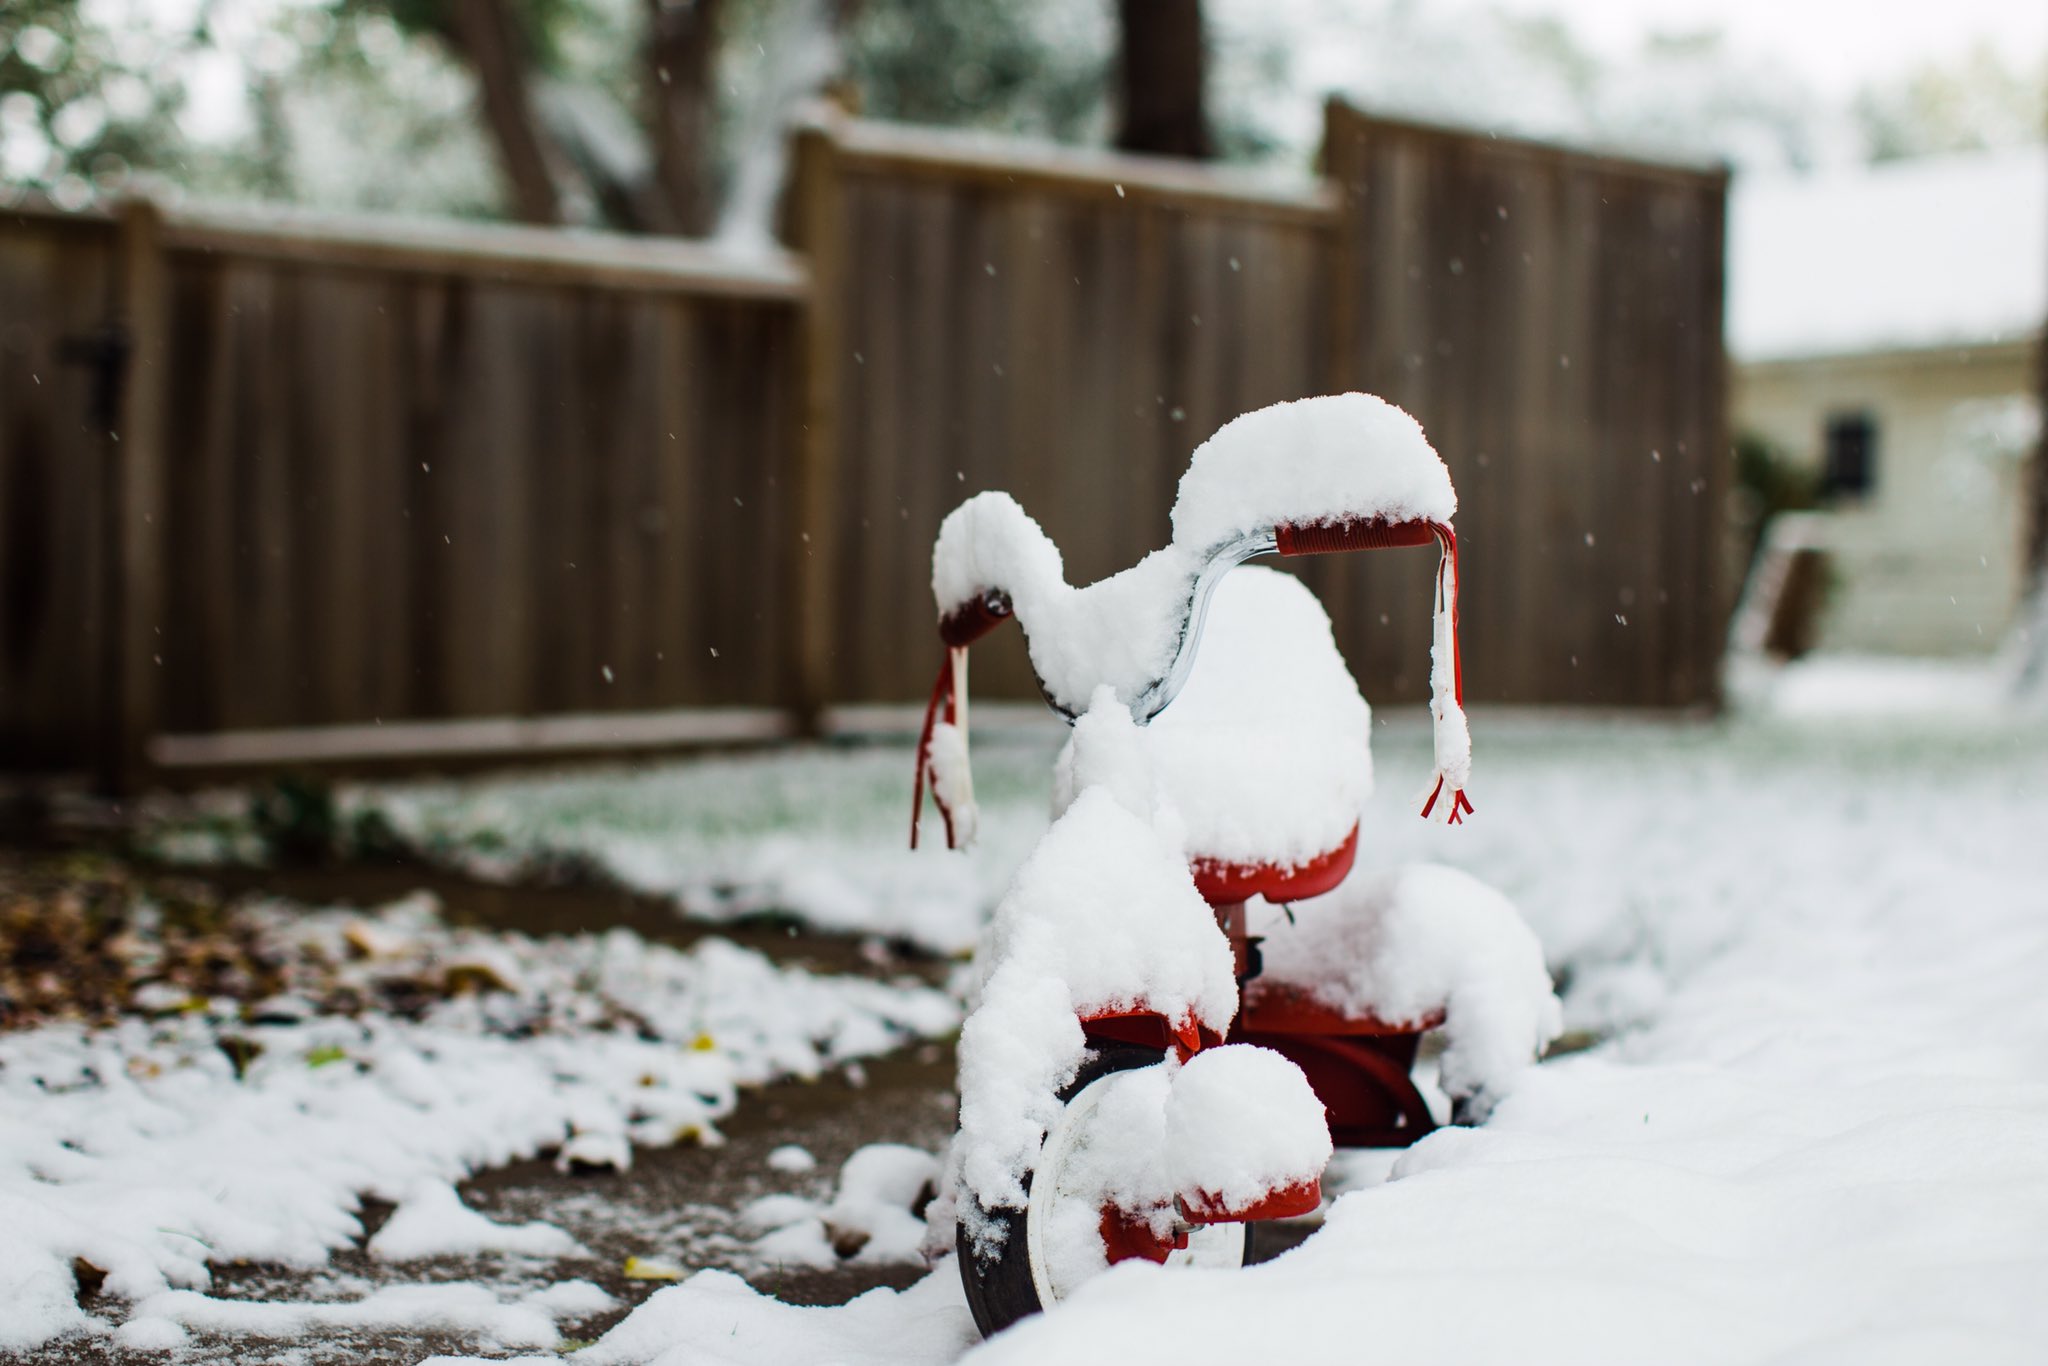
{"x": 1186, "y": 996}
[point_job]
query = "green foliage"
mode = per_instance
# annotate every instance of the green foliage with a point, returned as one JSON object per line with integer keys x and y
{"x": 550, "y": 27}
{"x": 1778, "y": 482}
{"x": 1768, "y": 481}
{"x": 982, "y": 63}
{"x": 1977, "y": 101}
{"x": 369, "y": 104}
{"x": 296, "y": 819}
{"x": 80, "y": 102}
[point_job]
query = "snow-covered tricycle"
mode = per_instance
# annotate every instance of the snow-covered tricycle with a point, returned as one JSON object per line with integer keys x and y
{"x": 1186, "y": 996}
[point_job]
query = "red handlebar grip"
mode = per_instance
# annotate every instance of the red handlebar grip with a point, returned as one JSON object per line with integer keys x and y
{"x": 1352, "y": 534}
{"x": 973, "y": 619}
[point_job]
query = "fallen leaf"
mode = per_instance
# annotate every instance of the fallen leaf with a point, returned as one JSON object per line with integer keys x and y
{"x": 651, "y": 1269}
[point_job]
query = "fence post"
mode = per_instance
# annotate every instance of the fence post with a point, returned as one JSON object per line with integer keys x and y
{"x": 136, "y": 491}
{"x": 820, "y": 231}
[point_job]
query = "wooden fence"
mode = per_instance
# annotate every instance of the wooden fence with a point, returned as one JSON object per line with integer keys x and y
{"x": 1069, "y": 330}
{"x": 370, "y": 475}
{"x": 1554, "y": 321}
{"x": 1066, "y": 330}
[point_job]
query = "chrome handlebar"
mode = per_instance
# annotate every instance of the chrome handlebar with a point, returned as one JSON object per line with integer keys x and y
{"x": 1160, "y": 692}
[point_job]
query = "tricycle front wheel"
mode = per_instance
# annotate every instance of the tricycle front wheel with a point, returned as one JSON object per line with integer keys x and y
{"x": 1025, "y": 1272}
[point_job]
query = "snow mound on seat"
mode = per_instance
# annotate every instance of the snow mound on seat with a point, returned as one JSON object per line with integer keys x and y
{"x": 1423, "y": 938}
{"x": 1313, "y": 460}
{"x": 1266, "y": 756}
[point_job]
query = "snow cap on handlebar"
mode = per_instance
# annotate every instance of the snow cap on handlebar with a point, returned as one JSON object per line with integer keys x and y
{"x": 1339, "y": 459}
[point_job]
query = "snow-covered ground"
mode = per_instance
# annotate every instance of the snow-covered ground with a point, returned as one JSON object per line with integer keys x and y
{"x": 1817, "y": 1129}
{"x": 138, "y": 1152}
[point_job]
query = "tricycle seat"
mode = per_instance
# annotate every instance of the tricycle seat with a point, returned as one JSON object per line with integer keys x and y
{"x": 1222, "y": 882}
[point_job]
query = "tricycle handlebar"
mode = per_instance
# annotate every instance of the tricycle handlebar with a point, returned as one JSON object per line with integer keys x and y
{"x": 1287, "y": 540}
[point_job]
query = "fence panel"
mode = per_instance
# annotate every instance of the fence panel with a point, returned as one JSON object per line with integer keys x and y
{"x": 1554, "y": 320}
{"x": 410, "y": 494}
{"x": 1067, "y": 330}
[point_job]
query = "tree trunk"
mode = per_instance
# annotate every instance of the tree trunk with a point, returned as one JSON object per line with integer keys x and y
{"x": 682, "y": 51}
{"x": 1162, "y": 78}
{"x": 489, "y": 35}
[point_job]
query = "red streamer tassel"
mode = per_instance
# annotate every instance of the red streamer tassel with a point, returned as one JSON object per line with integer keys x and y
{"x": 942, "y": 694}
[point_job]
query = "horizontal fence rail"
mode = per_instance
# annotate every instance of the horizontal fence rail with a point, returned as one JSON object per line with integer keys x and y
{"x": 271, "y": 483}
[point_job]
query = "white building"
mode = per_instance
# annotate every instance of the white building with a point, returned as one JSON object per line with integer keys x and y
{"x": 1882, "y": 324}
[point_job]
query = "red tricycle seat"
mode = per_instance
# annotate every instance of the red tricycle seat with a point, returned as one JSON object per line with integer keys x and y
{"x": 1221, "y": 883}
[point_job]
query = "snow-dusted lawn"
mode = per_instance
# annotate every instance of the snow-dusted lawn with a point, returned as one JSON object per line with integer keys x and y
{"x": 817, "y": 833}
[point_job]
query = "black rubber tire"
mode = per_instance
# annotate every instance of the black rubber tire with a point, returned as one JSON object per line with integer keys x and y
{"x": 999, "y": 1288}
{"x": 1263, "y": 1241}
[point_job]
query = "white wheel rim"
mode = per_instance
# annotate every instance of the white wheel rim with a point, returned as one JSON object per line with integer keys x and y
{"x": 1209, "y": 1245}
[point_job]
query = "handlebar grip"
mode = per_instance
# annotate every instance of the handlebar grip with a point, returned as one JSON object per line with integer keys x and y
{"x": 1361, "y": 533}
{"x": 975, "y": 618}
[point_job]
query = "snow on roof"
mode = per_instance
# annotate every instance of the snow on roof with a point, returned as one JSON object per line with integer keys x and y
{"x": 1928, "y": 252}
